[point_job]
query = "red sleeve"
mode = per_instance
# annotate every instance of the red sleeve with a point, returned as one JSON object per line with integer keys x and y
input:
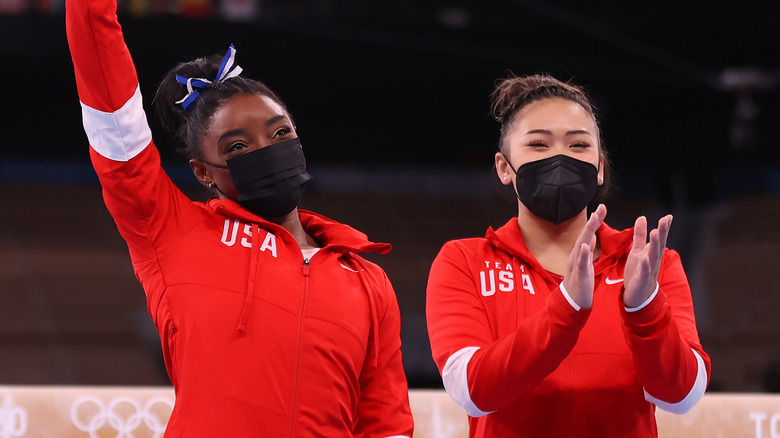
{"x": 501, "y": 369}
{"x": 141, "y": 198}
{"x": 663, "y": 338}
{"x": 383, "y": 408}
{"x": 105, "y": 74}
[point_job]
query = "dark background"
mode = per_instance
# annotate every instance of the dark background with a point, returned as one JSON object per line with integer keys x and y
{"x": 408, "y": 82}
{"x": 399, "y": 91}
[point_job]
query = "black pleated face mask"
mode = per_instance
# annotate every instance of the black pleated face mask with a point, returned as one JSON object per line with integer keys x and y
{"x": 270, "y": 181}
{"x": 557, "y": 188}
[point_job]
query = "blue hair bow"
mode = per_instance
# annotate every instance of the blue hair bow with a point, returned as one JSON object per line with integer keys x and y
{"x": 226, "y": 70}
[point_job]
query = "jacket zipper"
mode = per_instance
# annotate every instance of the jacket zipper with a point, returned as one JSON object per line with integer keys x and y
{"x": 306, "y": 269}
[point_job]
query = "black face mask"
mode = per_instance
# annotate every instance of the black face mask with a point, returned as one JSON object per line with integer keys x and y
{"x": 270, "y": 181}
{"x": 557, "y": 188}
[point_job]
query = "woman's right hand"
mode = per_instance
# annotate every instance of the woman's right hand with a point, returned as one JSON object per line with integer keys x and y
{"x": 578, "y": 279}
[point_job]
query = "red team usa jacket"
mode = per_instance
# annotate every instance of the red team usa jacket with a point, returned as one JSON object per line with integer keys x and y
{"x": 523, "y": 361}
{"x": 257, "y": 341}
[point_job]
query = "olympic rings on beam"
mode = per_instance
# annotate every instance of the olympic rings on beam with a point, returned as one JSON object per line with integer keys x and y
{"x": 122, "y": 414}
{"x": 13, "y": 419}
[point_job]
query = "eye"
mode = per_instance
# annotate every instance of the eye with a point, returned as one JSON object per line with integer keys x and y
{"x": 537, "y": 143}
{"x": 237, "y": 146}
{"x": 281, "y": 132}
{"x": 582, "y": 145}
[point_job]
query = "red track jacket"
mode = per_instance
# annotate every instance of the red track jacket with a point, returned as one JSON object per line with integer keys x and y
{"x": 257, "y": 341}
{"x": 523, "y": 362}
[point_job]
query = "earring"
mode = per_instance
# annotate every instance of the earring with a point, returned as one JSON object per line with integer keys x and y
{"x": 601, "y": 179}
{"x": 504, "y": 179}
{"x": 210, "y": 185}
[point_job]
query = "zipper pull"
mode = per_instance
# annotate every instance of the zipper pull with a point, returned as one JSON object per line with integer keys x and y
{"x": 306, "y": 267}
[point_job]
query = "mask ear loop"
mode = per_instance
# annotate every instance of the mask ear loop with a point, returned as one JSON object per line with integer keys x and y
{"x": 598, "y": 168}
{"x": 514, "y": 188}
{"x": 513, "y": 170}
{"x": 509, "y": 163}
{"x": 214, "y": 186}
{"x": 219, "y": 166}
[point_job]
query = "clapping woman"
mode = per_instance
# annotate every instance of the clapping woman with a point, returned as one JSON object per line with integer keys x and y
{"x": 555, "y": 324}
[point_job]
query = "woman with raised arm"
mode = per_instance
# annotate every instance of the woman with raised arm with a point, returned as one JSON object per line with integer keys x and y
{"x": 555, "y": 324}
{"x": 271, "y": 324}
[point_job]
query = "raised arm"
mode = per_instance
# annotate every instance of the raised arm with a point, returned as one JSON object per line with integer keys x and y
{"x": 143, "y": 201}
{"x": 136, "y": 191}
{"x": 105, "y": 74}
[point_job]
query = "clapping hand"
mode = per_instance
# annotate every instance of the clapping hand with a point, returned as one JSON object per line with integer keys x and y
{"x": 644, "y": 261}
{"x": 578, "y": 279}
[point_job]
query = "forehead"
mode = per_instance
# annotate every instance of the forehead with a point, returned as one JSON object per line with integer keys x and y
{"x": 242, "y": 109}
{"x": 551, "y": 113}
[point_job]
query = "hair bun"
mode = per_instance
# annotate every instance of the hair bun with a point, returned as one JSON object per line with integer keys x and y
{"x": 514, "y": 92}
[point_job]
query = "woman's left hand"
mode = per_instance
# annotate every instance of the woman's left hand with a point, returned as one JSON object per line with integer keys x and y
{"x": 644, "y": 261}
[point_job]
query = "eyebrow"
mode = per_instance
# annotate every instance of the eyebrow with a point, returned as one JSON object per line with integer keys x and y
{"x": 231, "y": 133}
{"x": 241, "y": 131}
{"x": 548, "y": 132}
{"x": 275, "y": 119}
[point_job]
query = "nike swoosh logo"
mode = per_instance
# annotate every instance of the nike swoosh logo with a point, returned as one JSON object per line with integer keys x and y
{"x": 612, "y": 280}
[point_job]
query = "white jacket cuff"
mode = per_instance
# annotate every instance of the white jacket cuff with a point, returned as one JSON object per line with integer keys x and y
{"x": 693, "y": 397}
{"x": 455, "y": 379}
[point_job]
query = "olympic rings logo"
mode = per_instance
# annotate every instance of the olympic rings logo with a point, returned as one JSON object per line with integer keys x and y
{"x": 123, "y": 414}
{"x": 13, "y": 419}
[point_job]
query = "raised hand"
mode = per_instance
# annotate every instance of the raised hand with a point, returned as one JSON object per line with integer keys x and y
{"x": 644, "y": 261}
{"x": 578, "y": 279}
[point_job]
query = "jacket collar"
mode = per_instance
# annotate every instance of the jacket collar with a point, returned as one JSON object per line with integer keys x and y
{"x": 335, "y": 236}
{"x": 615, "y": 245}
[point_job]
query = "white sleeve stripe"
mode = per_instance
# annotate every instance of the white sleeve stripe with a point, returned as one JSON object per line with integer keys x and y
{"x": 693, "y": 397}
{"x": 398, "y": 436}
{"x": 120, "y": 135}
{"x": 569, "y": 298}
{"x": 455, "y": 379}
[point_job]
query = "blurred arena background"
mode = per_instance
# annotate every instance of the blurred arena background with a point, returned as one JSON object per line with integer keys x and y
{"x": 391, "y": 103}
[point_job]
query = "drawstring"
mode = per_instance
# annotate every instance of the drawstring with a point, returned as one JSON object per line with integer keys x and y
{"x": 250, "y": 287}
{"x": 363, "y": 275}
{"x": 353, "y": 261}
